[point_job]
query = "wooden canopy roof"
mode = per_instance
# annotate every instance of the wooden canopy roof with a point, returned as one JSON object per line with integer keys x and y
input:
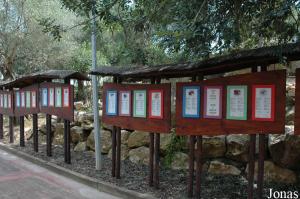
{"x": 39, "y": 77}
{"x": 234, "y": 61}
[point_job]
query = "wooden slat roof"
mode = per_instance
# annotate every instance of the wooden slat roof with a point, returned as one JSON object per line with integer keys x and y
{"x": 234, "y": 61}
{"x": 39, "y": 77}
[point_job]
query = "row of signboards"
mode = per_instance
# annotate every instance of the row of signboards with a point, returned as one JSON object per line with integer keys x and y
{"x": 247, "y": 103}
{"x": 50, "y": 98}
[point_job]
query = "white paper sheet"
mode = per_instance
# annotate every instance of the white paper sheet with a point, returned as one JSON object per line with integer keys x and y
{"x": 263, "y": 103}
{"x": 51, "y": 96}
{"x": 213, "y": 101}
{"x": 112, "y": 103}
{"x": 66, "y": 97}
{"x": 191, "y": 101}
{"x": 156, "y": 104}
{"x": 140, "y": 104}
{"x": 33, "y": 99}
{"x": 125, "y": 103}
{"x": 18, "y": 104}
{"x": 237, "y": 102}
{"x": 45, "y": 96}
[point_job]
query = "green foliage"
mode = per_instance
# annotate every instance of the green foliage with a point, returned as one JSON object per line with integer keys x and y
{"x": 177, "y": 144}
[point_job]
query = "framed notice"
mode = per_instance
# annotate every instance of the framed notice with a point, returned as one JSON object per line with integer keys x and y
{"x": 263, "y": 102}
{"x": 236, "y": 103}
{"x": 33, "y": 99}
{"x": 28, "y": 99}
{"x": 124, "y": 103}
{"x": 18, "y": 104}
{"x": 9, "y": 100}
{"x": 191, "y": 102}
{"x": 139, "y": 103}
{"x": 111, "y": 102}
{"x": 23, "y": 99}
{"x": 156, "y": 105}
{"x": 58, "y": 97}
{"x": 213, "y": 102}
{"x": 66, "y": 97}
{"x": 51, "y": 96}
{"x": 44, "y": 97}
{"x": 5, "y": 100}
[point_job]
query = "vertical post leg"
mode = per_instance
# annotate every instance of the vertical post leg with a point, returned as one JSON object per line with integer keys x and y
{"x": 151, "y": 150}
{"x": 251, "y": 166}
{"x": 11, "y": 129}
{"x": 156, "y": 160}
{"x": 118, "y": 166}
{"x": 1, "y": 126}
{"x": 49, "y": 135}
{"x": 113, "y": 155}
{"x": 22, "y": 136}
{"x": 67, "y": 140}
{"x": 260, "y": 177}
{"x": 35, "y": 132}
{"x": 199, "y": 166}
{"x": 191, "y": 165}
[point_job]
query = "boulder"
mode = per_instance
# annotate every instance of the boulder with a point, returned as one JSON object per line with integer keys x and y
{"x": 78, "y": 105}
{"x": 124, "y": 136}
{"x": 213, "y": 146}
{"x": 139, "y": 155}
{"x": 220, "y": 168}
{"x": 137, "y": 139}
{"x": 81, "y": 146}
{"x": 105, "y": 141}
{"x": 59, "y": 129}
{"x": 285, "y": 149}
{"x": 237, "y": 147}
{"x": 273, "y": 173}
{"x": 124, "y": 152}
{"x": 180, "y": 161}
{"x": 58, "y": 140}
{"x": 165, "y": 141}
{"x": 76, "y": 134}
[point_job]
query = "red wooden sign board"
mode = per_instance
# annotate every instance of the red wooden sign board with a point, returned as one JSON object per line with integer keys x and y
{"x": 26, "y": 100}
{"x": 213, "y": 126}
{"x": 6, "y": 103}
{"x": 57, "y": 99}
{"x": 134, "y": 118}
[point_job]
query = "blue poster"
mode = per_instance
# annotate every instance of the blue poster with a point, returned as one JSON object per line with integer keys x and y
{"x": 44, "y": 97}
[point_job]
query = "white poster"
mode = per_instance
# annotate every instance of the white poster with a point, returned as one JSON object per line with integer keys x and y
{"x": 9, "y": 100}
{"x": 22, "y": 99}
{"x": 44, "y": 97}
{"x": 33, "y": 99}
{"x": 237, "y": 103}
{"x": 111, "y": 103}
{"x": 191, "y": 102}
{"x": 213, "y": 102}
{"x": 28, "y": 99}
{"x": 66, "y": 97}
{"x": 5, "y": 100}
{"x": 156, "y": 104}
{"x": 58, "y": 97}
{"x": 125, "y": 103}
{"x": 263, "y": 103}
{"x": 18, "y": 104}
{"x": 140, "y": 103}
{"x": 51, "y": 96}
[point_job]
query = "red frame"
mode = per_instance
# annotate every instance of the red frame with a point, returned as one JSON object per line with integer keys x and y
{"x": 254, "y": 87}
{"x": 63, "y": 96}
{"x": 33, "y": 105}
{"x": 161, "y": 104}
{"x": 130, "y": 102}
{"x": 220, "y": 102}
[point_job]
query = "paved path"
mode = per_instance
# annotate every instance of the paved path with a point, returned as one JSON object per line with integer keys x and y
{"x": 20, "y": 179}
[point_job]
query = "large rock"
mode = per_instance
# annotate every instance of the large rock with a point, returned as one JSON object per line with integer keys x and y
{"x": 237, "y": 147}
{"x": 78, "y": 105}
{"x": 59, "y": 129}
{"x": 105, "y": 141}
{"x": 139, "y": 155}
{"x": 273, "y": 173}
{"x": 165, "y": 141}
{"x": 285, "y": 149}
{"x": 77, "y": 134}
{"x": 213, "y": 146}
{"x": 124, "y": 136}
{"x": 180, "y": 161}
{"x": 124, "y": 152}
{"x": 81, "y": 146}
{"x": 220, "y": 168}
{"x": 137, "y": 139}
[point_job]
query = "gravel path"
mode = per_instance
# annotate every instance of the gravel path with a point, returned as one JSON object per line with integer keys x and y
{"x": 173, "y": 183}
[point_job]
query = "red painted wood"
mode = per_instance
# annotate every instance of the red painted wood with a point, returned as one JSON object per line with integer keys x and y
{"x": 205, "y": 126}
{"x": 7, "y": 111}
{"x": 141, "y": 124}
{"x": 22, "y": 111}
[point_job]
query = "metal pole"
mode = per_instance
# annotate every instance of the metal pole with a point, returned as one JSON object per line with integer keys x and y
{"x": 1, "y": 126}
{"x": 49, "y": 135}
{"x": 97, "y": 131}
{"x": 11, "y": 129}
{"x": 113, "y": 151}
{"x": 151, "y": 150}
{"x": 22, "y": 137}
{"x": 67, "y": 136}
{"x": 35, "y": 132}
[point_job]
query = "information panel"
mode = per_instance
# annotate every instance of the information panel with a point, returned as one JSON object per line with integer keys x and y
{"x": 6, "y": 106}
{"x": 250, "y": 103}
{"x": 26, "y": 100}
{"x": 143, "y": 107}
{"x": 57, "y": 99}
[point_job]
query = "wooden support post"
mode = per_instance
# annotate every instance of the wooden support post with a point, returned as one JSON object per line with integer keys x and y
{"x": 35, "y": 132}
{"x": 22, "y": 136}
{"x": 198, "y": 166}
{"x": 11, "y": 129}
{"x": 67, "y": 136}
{"x": 118, "y": 161}
{"x": 1, "y": 126}
{"x": 191, "y": 165}
{"x": 156, "y": 160}
{"x": 49, "y": 135}
{"x": 113, "y": 155}
{"x": 151, "y": 163}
